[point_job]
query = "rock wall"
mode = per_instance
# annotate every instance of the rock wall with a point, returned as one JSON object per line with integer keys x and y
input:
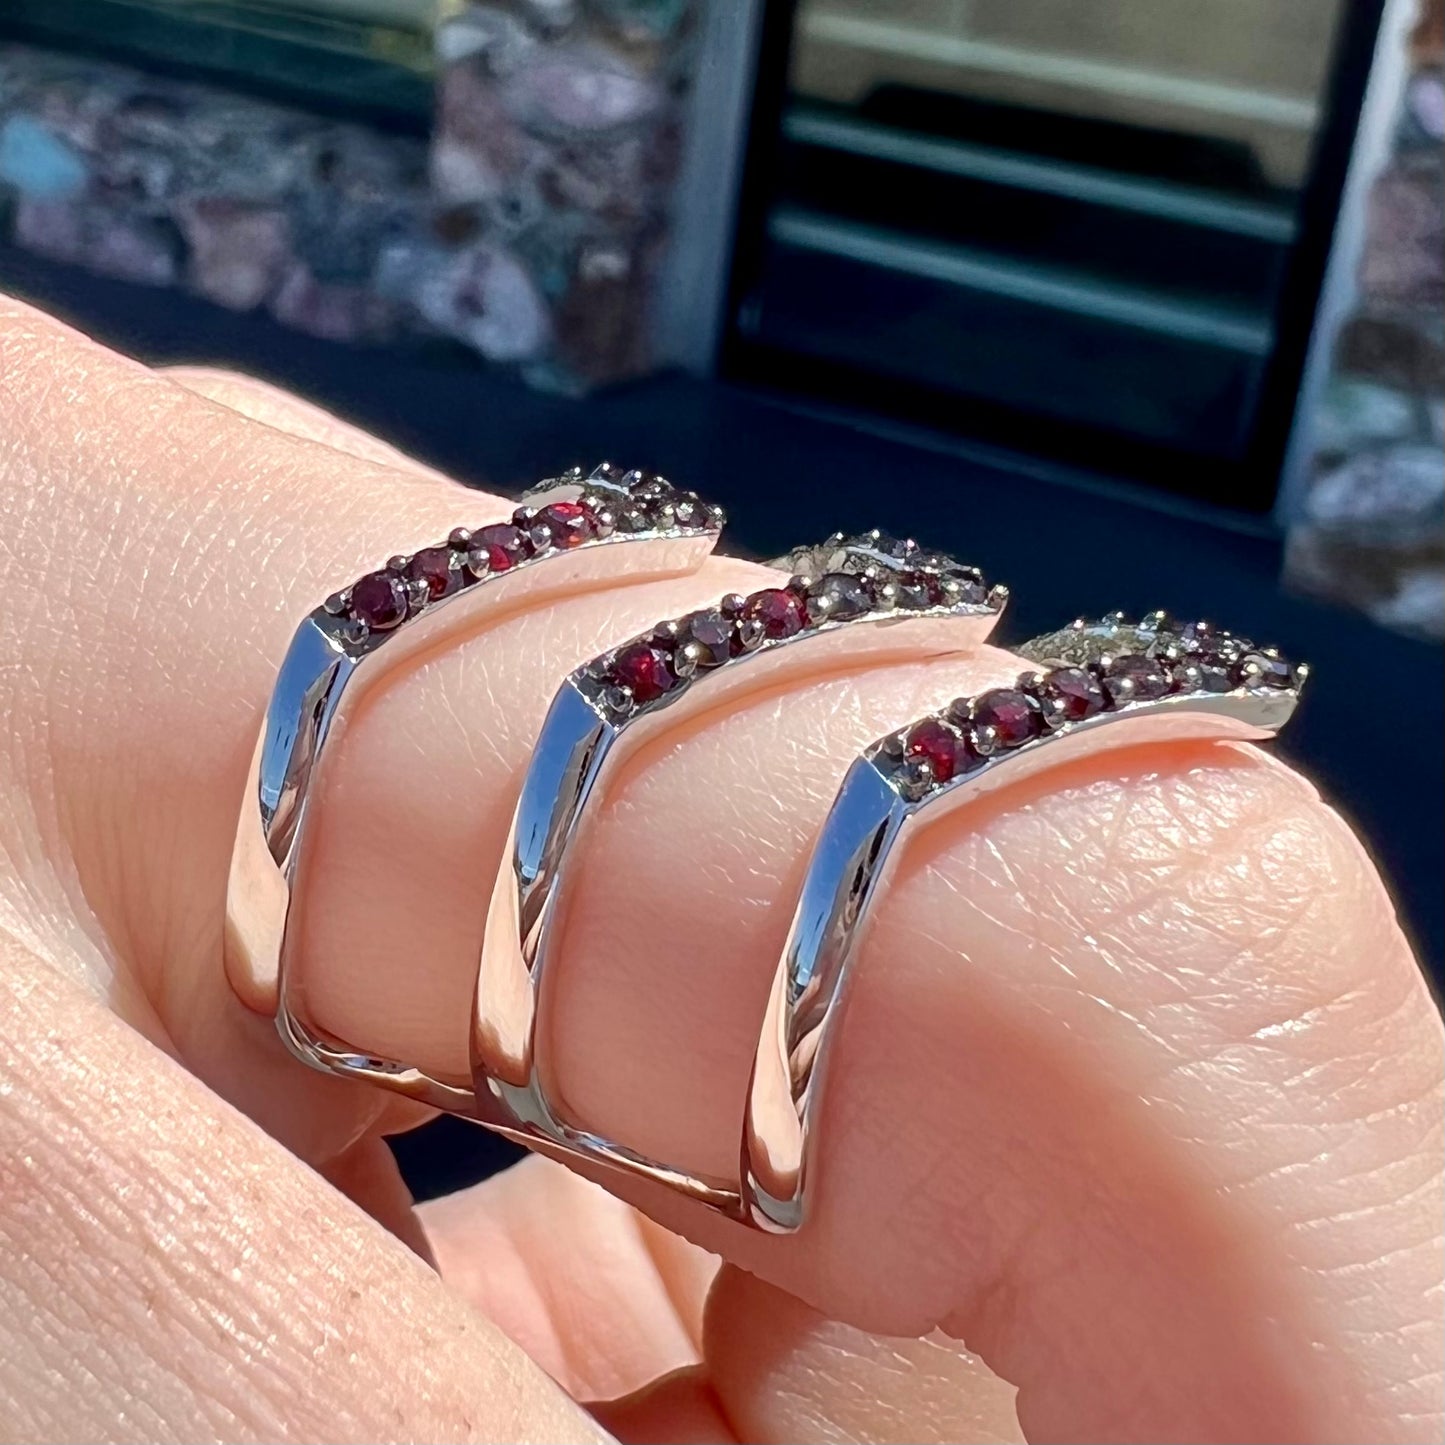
{"x": 530, "y": 227}
{"x": 1372, "y": 531}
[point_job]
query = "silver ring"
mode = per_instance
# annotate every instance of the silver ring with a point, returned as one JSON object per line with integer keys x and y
{"x": 1098, "y": 685}
{"x": 563, "y": 535}
{"x": 611, "y": 707}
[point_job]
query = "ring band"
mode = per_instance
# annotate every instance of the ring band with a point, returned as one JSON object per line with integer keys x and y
{"x": 610, "y": 708}
{"x": 1099, "y": 685}
{"x": 562, "y": 536}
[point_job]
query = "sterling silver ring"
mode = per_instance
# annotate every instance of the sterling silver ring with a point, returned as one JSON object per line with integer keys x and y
{"x": 564, "y": 536}
{"x": 888, "y": 597}
{"x": 1103, "y": 684}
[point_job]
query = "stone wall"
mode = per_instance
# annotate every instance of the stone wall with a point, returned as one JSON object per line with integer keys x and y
{"x": 558, "y": 140}
{"x": 530, "y": 227}
{"x": 1372, "y": 529}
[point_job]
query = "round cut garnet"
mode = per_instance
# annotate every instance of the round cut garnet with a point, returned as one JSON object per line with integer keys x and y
{"x": 433, "y": 566}
{"x": 936, "y": 744}
{"x": 711, "y": 635}
{"x": 838, "y": 597}
{"x": 1074, "y": 692}
{"x": 503, "y": 545}
{"x": 777, "y": 611}
{"x": 645, "y": 671}
{"x": 570, "y": 523}
{"x": 1009, "y": 712}
{"x": 379, "y": 600}
{"x": 1136, "y": 678}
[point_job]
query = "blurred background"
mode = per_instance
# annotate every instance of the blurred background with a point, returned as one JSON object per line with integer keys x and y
{"x": 1136, "y": 302}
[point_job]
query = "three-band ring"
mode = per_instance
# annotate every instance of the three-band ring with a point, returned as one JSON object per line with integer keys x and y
{"x": 863, "y": 598}
{"x": 566, "y": 535}
{"x": 1094, "y": 685}
{"x": 1097, "y": 685}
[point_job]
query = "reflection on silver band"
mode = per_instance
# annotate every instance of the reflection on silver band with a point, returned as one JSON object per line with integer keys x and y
{"x": 563, "y": 537}
{"x": 1100, "y": 684}
{"x": 867, "y": 597}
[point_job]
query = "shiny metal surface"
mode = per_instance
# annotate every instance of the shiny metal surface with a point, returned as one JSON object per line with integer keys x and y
{"x": 580, "y": 748}
{"x": 870, "y": 823}
{"x": 326, "y": 673}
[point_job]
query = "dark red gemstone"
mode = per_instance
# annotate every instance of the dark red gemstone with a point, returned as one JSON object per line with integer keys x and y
{"x": 1009, "y": 712}
{"x": 645, "y": 671}
{"x": 570, "y": 523}
{"x": 433, "y": 565}
{"x": 938, "y": 745}
{"x": 712, "y": 635}
{"x": 504, "y": 545}
{"x": 838, "y": 597}
{"x": 1136, "y": 678}
{"x": 1074, "y": 691}
{"x": 777, "y": 611}
{"x": 379, "y": 600}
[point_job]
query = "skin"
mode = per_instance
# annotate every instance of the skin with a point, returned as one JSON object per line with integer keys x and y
{"x": 1138, "y": 1090}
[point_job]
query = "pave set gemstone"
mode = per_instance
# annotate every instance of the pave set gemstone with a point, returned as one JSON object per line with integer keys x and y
{"x": 844, "y": 580}
{"x": 610, "y": 502}
{"x": 1090, "y": 668}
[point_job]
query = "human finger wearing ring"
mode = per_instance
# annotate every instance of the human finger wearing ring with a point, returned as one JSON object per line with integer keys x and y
{"x": 1126, "y": 1125}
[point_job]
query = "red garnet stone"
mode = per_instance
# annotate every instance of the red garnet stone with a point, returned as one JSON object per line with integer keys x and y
{"x": 1010, "y": 714}
{"x": 570, "y": 523}
{"x": 433, "y": 565}
{"x": 777, "y": 611}
{"x": 503, "y": 543}
{"x": 1145, "y": 677}
{"x": 645, "y": 671}
{"x": 379, "y": 600}
{"x": 937, "y": 745}
{"x": 1076, "y": 692}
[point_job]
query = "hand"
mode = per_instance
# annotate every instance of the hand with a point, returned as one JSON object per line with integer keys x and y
{"x": 1138, "y": 1092}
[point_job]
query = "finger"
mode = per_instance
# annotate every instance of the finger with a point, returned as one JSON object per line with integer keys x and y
{"x": 612, "y": 1307}
{"x": 1080, "y": 989}
{"x": 1137, "y": 1093}
{"x": 274, "y": 407}
{"x": 369, "y": 1176}
{"x": 597, "y": 1294}
{"x": 139, "y": 680}
{"x": 395, "y": 848}
{"x": 678, "y": 1410}
{"x": 781, "y": 1371}
{"x": 169, "y": 1274}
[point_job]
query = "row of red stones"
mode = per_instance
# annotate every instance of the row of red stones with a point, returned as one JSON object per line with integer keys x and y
{"x": 972, "y": 730}
{"x": 654, "y": 665}
{"x": 649, "y": 666}
{"x": 382, "y": 601}
{"x": 385, "y": 599}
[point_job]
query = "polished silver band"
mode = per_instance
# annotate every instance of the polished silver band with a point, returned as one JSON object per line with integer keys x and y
{"x": 1101, "y": 684}
{"x": 565, "y": 536}
{"x": 859, "y": 598}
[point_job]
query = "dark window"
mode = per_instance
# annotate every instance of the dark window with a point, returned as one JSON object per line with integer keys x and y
{"x": 1092, "y": 231}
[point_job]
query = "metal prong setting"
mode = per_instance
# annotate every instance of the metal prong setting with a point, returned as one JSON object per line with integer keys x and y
{"x": 580, "y": 511}
{"x": 1161, "y": 678}
{"x": 1091, "y": 668}
{"x": 611, "y": 707}
{"x": 870, "y": 578}
{"x": 397, "y": 613}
